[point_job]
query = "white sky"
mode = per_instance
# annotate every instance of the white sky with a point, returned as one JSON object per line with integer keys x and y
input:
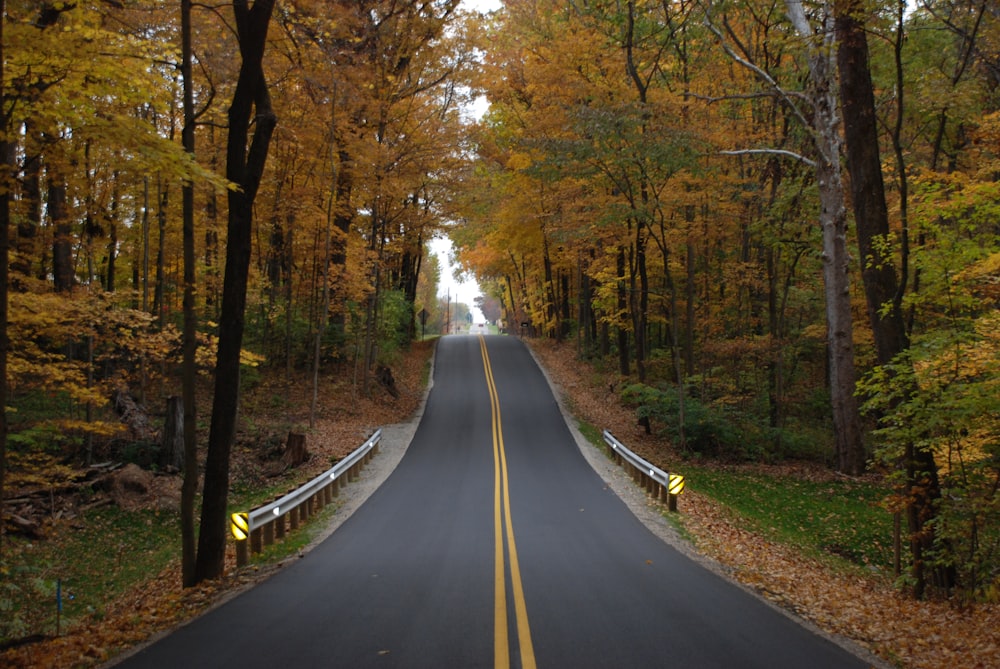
{"x": 465, "y": 291}
{"x": 483, "y": 5}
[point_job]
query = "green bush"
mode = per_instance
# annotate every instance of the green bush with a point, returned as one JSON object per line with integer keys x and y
{"x": 706, "y": 429}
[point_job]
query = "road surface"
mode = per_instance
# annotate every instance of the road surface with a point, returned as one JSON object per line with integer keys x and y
{"x": 494, "y": 544}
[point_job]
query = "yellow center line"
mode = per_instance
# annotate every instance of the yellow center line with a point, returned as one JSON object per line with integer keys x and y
{"x": 502, "y": 520}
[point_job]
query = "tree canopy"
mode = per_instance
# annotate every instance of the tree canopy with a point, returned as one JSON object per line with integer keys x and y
{"x": 679, "y": 190}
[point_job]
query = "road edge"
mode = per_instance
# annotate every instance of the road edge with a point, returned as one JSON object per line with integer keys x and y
{"x": 650, "y": 514}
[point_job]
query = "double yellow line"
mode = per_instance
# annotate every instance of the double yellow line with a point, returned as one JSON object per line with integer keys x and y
{"x": 502, "y": 523}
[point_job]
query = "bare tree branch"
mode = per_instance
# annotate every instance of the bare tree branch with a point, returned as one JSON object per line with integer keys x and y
{"x": 788, "y": 97}
{"x": 776, "y": 152}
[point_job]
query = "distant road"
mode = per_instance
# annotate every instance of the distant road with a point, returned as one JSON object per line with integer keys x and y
{"x": 494, "y": 544}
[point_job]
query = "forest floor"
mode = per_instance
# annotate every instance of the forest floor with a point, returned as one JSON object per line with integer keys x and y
{"x": 863, "y": 608}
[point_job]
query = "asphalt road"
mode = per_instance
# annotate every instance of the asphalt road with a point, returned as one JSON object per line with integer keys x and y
{"x": 494, "y": 544}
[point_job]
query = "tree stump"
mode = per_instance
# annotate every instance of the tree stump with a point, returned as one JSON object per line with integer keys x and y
{"x": 384, "y": 376}
{"x": 295, "y": 451}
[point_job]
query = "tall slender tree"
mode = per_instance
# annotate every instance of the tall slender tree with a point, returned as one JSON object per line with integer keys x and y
{"x": 883, "y": 291}
{"x": 6, "y": 182}
{"x": 189, "y": 370}
{"x": 250, "y": 108}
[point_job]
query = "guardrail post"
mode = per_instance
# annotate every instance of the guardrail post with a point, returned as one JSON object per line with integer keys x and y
{"x": 242, "y": 554}
{"x": 279, "y": 527}
{"x": 255, "y": 541}
{"x": 240, "y": 529}
{"x": 268, "y": 529}
{"x": 675, "y": 487}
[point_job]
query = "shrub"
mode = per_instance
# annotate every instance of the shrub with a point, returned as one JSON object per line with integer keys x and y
{"x": 703, "y": 429}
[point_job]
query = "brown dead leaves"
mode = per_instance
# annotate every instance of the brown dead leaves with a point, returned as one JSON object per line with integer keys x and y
{"x": 346, "y": 419}
{"x": 864, "y": 608}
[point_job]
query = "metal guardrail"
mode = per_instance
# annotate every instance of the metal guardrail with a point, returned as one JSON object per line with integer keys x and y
{"x": 661, "y": 484}
{"x": 267, "y": 522}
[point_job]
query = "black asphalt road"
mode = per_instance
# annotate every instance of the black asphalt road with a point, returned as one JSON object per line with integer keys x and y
{"x": 415, "y": 577}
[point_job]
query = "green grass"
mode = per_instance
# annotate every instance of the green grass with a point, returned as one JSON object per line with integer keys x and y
{"x": 593, "y": 435}
{"x": 103, "y": 554}
{"x": 830, "y": 518}
{"x": 95, "y": 558}
{"x": 841, "y": 519}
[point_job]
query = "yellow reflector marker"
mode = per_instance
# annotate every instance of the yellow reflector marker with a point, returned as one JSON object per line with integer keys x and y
{"x": 676, "y": 485}
{"x": 240, "y": 526}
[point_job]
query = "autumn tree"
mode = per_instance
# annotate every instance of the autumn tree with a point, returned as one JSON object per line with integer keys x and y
{"x": 934, "y": 89}
{"x": 878, "y": 267}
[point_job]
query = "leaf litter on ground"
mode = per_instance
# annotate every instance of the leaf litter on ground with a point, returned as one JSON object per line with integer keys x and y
{"x": 865, "y": 608}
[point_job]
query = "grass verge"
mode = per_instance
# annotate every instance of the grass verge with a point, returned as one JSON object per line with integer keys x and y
{"x": 88, "y": 561}
{"x": 824, "y": 518}
{"x": 839, "y": 519}
{"x": 93, "y": 559}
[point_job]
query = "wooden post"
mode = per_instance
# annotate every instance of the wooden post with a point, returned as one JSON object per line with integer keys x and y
{"x": 255, "y": 540}
{"x": 242, "y": 553}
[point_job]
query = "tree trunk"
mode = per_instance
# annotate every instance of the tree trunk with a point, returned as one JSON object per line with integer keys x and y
{"x": 189, "y": 370}
{"x": 110, "y": 268}
{"x": 551, "y": 315}
{"x": 7, "y": 167}
{"x": 342, "y": 220}
{"x": 172, "y": 443}
{"x": 62, "y": 239}
{"x": 159, "y": 299}
{"x": 884, "y": 297}
{"x": 836, "y": 259}
{"x": 31, "y": 195}
{"x": 640, "y": 300}
{"x": 878, "y": 269}
{"x": 244, "y": 167}
{"x": 623, "y": 357}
